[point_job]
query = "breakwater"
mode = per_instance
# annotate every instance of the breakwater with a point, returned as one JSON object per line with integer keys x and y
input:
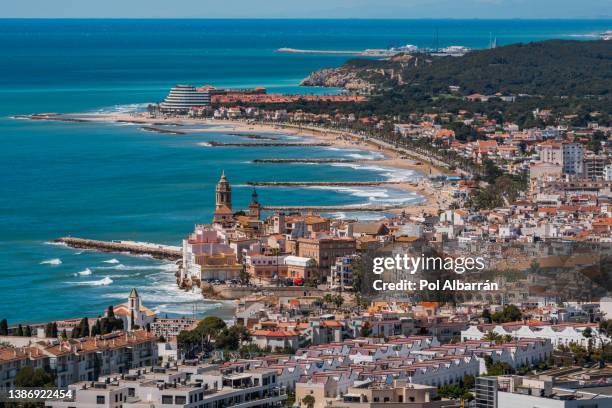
{"x": 157, "y": 251}
{"x": 285, "y": 161}
{"x": 267, "y": 144}
{"x": 321, "y": 183}
{"x": 162, "y": 130}
{"x": 50, "y": 116}
{"x": 253, "y": 136}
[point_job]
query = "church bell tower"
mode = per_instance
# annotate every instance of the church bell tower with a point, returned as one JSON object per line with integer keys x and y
{"x": 254, "y": 207}
{"x": 223, "y": 193}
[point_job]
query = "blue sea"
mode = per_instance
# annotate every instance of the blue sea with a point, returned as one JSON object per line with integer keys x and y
{"x": 111, "y": 181}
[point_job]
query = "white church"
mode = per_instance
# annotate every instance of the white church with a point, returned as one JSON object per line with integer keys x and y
{"x": 133, "y": 313}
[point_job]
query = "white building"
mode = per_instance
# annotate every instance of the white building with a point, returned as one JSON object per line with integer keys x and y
{"x": 565, "y": 333}
{"x": 133, "y": 313}
{"x": 341, "y": 276}
{"x": 569, "y": 155}
{"x": 182, "y": 98}
{"x": 180, "y": 387}
{"x": 516, "y": 391}
{"x": 608, "y": 172}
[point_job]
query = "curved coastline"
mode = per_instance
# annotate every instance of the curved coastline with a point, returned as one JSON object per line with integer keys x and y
{"x": 432, "y": 199}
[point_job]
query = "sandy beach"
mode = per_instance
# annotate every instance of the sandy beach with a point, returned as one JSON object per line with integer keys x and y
{"x": 435, "y": 199}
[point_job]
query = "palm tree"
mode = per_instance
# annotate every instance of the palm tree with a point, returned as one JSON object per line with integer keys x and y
{"x": 492, "y": 336}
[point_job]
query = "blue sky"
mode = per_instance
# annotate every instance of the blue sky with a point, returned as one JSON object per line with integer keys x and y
{"x": 308, "y": 8}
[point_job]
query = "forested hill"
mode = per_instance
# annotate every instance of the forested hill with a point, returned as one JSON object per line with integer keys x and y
{"x": 548, "y": 68}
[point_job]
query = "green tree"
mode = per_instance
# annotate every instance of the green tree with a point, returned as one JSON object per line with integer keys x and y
{"x": 28, "y": 331}
{"x": 366, "y": 329}
{"x": 19, "y": 330}
{"x": 29, "y": 377}
{"x": 486, "y": 315}
{"x": 49, "y": 330}
{"x": 4, "y": 327}
{"x": 338, "y": 300}
{"x": 492, "y": 336}
{"x": 202, "y": 336}
{"x": 510, "y": 313}
{"x": 309, "y": 401}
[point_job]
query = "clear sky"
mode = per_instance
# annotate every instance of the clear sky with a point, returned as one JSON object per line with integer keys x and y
{"x": 307, "y": 8}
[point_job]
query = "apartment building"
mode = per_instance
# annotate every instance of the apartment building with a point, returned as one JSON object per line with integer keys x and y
{"x": 81, "y": 359}
{"x": 516, "y": 391}
{"x": 171, "y": 327}
{"x": 193, "y": 386}
{"x": 326, "y": 250}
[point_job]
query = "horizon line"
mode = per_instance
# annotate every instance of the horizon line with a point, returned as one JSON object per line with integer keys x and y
{"x": 319, "y": 18}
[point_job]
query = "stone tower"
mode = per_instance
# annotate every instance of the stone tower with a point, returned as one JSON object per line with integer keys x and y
{"x": 223, "y": 194}
{"x": 254, "y": 207}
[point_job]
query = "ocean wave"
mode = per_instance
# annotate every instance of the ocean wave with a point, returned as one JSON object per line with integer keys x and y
{"x": 390, "y": 174}
{"x": 56, "y": 243}
{"x": 85, "y": 272}
{"x": 591, "y": 35}
{"x": 102, "y": 282}
{"x": 128, "y": 108}
{"x": 368, "y": 156}
{"x": 204, "y": 144}
{"x": 54, "y": 261}
{"x": 111, "y": 261}
{"x": 360, "y": 216}
{"x": 355, "y": 191}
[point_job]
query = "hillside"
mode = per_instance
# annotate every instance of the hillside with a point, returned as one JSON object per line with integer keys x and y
{"x": 548, "y": 68}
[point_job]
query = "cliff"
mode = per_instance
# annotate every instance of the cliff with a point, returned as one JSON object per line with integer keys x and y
{"x": 338, "y": 78}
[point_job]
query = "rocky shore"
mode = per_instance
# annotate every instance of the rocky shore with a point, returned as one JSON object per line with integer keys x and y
{"x": 338, "y": 78}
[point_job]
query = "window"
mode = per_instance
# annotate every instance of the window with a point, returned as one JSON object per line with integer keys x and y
{"x": 167, "y": 399}
{"x": 180, "y": 400}
{"x": 100, "y": 399}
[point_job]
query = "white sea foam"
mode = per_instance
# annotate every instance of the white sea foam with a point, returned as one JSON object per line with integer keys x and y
{"x": 102, "y": 282}
{"x": 390, "y": 174}
{"x": 361, "y": 216}
{"x": 85, "y": 272}
{"x": 112, "y": 261}
{"x": 54, "y": 261}
{"x": 56, "y": 243}
{"x": 129, "y": 108}
{"x": 204, "y": 144}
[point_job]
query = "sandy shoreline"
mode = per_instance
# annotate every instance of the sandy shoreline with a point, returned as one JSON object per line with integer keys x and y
{"x": 435, "y": 199}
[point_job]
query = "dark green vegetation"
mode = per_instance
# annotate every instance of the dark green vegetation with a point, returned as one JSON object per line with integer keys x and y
{"x": 510, "y": 313}
{"x": 568, "y": 77}
{"x": 212, "y": 333}
{"x": 548, "y": 68}
{"x": 30, "y": 377}
{"x": 459, "y": 391}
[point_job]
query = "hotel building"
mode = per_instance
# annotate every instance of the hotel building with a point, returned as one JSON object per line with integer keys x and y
{"x": 182, "y": 98}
